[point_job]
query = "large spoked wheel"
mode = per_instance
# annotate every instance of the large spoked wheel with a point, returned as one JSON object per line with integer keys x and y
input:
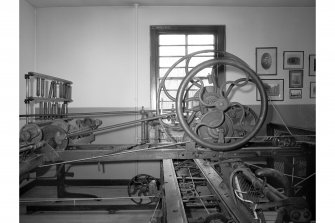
{"x": 215, "y": 129}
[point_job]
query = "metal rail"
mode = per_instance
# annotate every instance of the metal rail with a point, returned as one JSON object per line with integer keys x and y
{"x": 221, "y": 191}
{"x": 125, "y": 124}
{"x": 87, "y": 151}
{"x": 175, "y": 212}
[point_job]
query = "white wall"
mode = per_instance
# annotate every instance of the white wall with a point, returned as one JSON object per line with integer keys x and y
{"x": 27, "y": 48}
{"x": 95, "y": 46}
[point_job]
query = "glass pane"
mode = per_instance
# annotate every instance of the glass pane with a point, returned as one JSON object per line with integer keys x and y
{"x": 200, "y": 39}
{"x": 177, "y": 72}
{"x": 172, "y": 51}
{"x": 165, "y": 39}
{"x": 197, "y": 60}
{"x": 172, "y": 84}
{"x": 204, "y": 72}
{"x": 191, "y": 93}
{"x": 169, "y": 61}
{"x": 167, "y": 105}
{"x": 192, "y": 49}
{"x": 163, "y": 96}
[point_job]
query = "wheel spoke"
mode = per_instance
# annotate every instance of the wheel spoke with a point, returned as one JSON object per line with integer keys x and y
{"x": 233, "y": 84}
{"x": 225, "y": 133}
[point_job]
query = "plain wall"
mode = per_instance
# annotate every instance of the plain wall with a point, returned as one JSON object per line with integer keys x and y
{"x": 95, "y": 47}
{"x": 105, "y": 51}
{"x": 27, "y": 48}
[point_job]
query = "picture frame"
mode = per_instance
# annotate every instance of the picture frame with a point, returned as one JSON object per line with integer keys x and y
{"x": 293, "y": 60}
{"x": 274, "y": 89}
{"x": 266, "y": 60}
{"x": 312, "y": 90}
{"x": 295, "y": 93}
{"x": 312, "y": 65}
{"x": 296, "y": 79}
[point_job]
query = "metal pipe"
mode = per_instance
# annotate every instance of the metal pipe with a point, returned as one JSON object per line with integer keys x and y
{"x": 38, "y": 86}
{"x": 270, "y": 192}
{"x": 27, "y": 96}
{"x": 41, "y": 109}
{"x": 98, "y": 113}
{"x": 82, "y": 199}
{"x": 118, "y": 125}
{"x": 51, "y": 89}
{"x": 45, "y": 113}
{"x": 114, "y": 154}
{"x": 276, "y": 175}
{"x": 32, "y": 146}
{"x": 42, "y": 87}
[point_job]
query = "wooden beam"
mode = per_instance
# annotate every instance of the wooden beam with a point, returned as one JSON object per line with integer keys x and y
{"x": 175, "y": 212}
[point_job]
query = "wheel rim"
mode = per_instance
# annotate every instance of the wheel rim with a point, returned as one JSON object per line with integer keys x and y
{"x": 254, "y": 78}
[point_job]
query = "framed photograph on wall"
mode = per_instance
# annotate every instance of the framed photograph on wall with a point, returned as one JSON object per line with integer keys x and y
{"x": 274, "y": 89}
{"x": 312, "y": 90}
{"x": 295, "y": 93}
{"x": 293, "y": 60}
{"x": 296, "y": 78}
{"x": 266, "y": 60}
{"x": 312, "y": 65}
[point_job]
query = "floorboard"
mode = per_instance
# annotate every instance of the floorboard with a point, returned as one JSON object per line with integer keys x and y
{"x": 83, "y": 216}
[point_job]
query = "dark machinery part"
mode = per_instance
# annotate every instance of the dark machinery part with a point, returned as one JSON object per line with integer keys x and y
{"x": 216, "y": 218}
{"x": 284, "y": 140}
{"x": 209, "y": 117}
{"x": 30, "y": 133}
{"x": 255, "y": 195}
{"x": 269, "y": 173}
{"x": 55, "y": 136}
{"x": 45, "y": 141}
{"x": 220, "y": 125}
{"x": 144, "y": 185}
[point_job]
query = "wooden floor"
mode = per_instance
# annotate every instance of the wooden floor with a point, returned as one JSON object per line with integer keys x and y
{"x": 83, "y": 216}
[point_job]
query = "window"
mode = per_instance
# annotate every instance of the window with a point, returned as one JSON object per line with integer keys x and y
{"x": 170, "y": 43}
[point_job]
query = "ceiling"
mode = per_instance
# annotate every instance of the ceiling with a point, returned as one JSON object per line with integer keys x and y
{"x": 234, "y": 3}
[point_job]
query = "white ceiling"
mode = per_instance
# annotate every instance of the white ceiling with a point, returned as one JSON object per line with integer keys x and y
{"x": 243, "y": 3}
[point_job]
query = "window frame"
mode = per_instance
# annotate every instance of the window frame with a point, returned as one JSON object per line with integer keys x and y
{"x": 219, "y": 32}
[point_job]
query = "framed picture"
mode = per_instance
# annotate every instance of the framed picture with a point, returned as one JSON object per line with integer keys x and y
{"x": 295, "y": 93}
{"x": 293, "y": 60}
{"x": 312, "y": 65}
{"x": 312, "y": 90}
{"x": 266, "y": 60}
{"x": 274, "y": 89}
{"x": 296, "y": 78}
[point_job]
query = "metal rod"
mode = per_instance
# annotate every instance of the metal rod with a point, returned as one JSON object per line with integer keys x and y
{"x": 283, "y": 173}
{"x": 153, "y": 214}
{"x": 38, "y": 200}
{"x": 27, "y": 96}
{"x": 113, "y": 154}
{"x": 293, "y": 169}
{"x": 305, "y": 179}
{"x": 118, "y": 125}
{"x": 201, "y": 196}
{"x": 197, "y": 191}
{"x": 97, "y": 113}
{"x": 38, "y": 86}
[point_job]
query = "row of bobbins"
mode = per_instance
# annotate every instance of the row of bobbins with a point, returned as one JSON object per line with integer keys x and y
{"x": 56, "y": 90}
{"x": 51, "y": 94}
